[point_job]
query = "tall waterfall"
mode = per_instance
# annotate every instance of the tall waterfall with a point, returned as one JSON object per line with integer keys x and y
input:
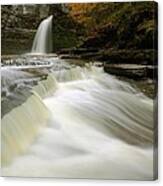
{"x": 43, "y": 39}
{"x": 96, "y": 127}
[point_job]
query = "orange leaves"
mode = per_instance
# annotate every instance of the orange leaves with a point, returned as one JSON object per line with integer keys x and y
{"x": 80, "y": 11}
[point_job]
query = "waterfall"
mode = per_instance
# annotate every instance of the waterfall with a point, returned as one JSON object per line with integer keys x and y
{"x": 43, "y": 39}
{"x": 20, "y": 126}
{"x": 81, "y": 123}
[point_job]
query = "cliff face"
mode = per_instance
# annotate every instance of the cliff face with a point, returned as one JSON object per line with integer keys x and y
{"x": 20, "y": 23}
{"x": 18, "y": 16}
{"x": 18, "y": 28}
{"x": 66, "y": 31}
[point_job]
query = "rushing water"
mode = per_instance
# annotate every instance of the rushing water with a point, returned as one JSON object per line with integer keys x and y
{"x": 19, "y": 75}
{"x": 80, "y": 122}
{"x": 43, "y": 39}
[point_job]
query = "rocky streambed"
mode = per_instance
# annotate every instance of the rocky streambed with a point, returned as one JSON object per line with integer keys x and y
{"x": 37, "y": 66}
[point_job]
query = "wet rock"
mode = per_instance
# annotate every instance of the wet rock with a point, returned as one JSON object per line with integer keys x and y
{"x": 77, "y": 51}
{"x": 129, "y": 56}
{"x": 113, "y": 56}
{"x": 131, "y": 70}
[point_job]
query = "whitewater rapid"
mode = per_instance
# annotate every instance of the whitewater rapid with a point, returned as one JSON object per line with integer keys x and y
{"x": 80, "y": 123}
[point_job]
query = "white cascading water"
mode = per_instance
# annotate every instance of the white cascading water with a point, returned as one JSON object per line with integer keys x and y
{"x": 43, "y": 39}
{"x": 80, "y": 123}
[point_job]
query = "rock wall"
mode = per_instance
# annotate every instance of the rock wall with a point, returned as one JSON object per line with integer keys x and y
{"x": 19, "y": 24}
{"x": 66, "y": 31}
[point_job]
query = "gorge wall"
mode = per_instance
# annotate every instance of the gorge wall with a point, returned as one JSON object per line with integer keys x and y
{"x": 112, "y": 29}
{"x": 20, "y": 23}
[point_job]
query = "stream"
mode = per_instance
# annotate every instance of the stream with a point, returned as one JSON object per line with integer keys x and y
{"x": 62, "y": 120}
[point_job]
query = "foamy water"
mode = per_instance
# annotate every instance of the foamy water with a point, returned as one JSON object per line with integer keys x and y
{"x": 80, "y": 123}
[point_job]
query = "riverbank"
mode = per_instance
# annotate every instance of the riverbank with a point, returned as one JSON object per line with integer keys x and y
{"x": 118, "y": 59}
